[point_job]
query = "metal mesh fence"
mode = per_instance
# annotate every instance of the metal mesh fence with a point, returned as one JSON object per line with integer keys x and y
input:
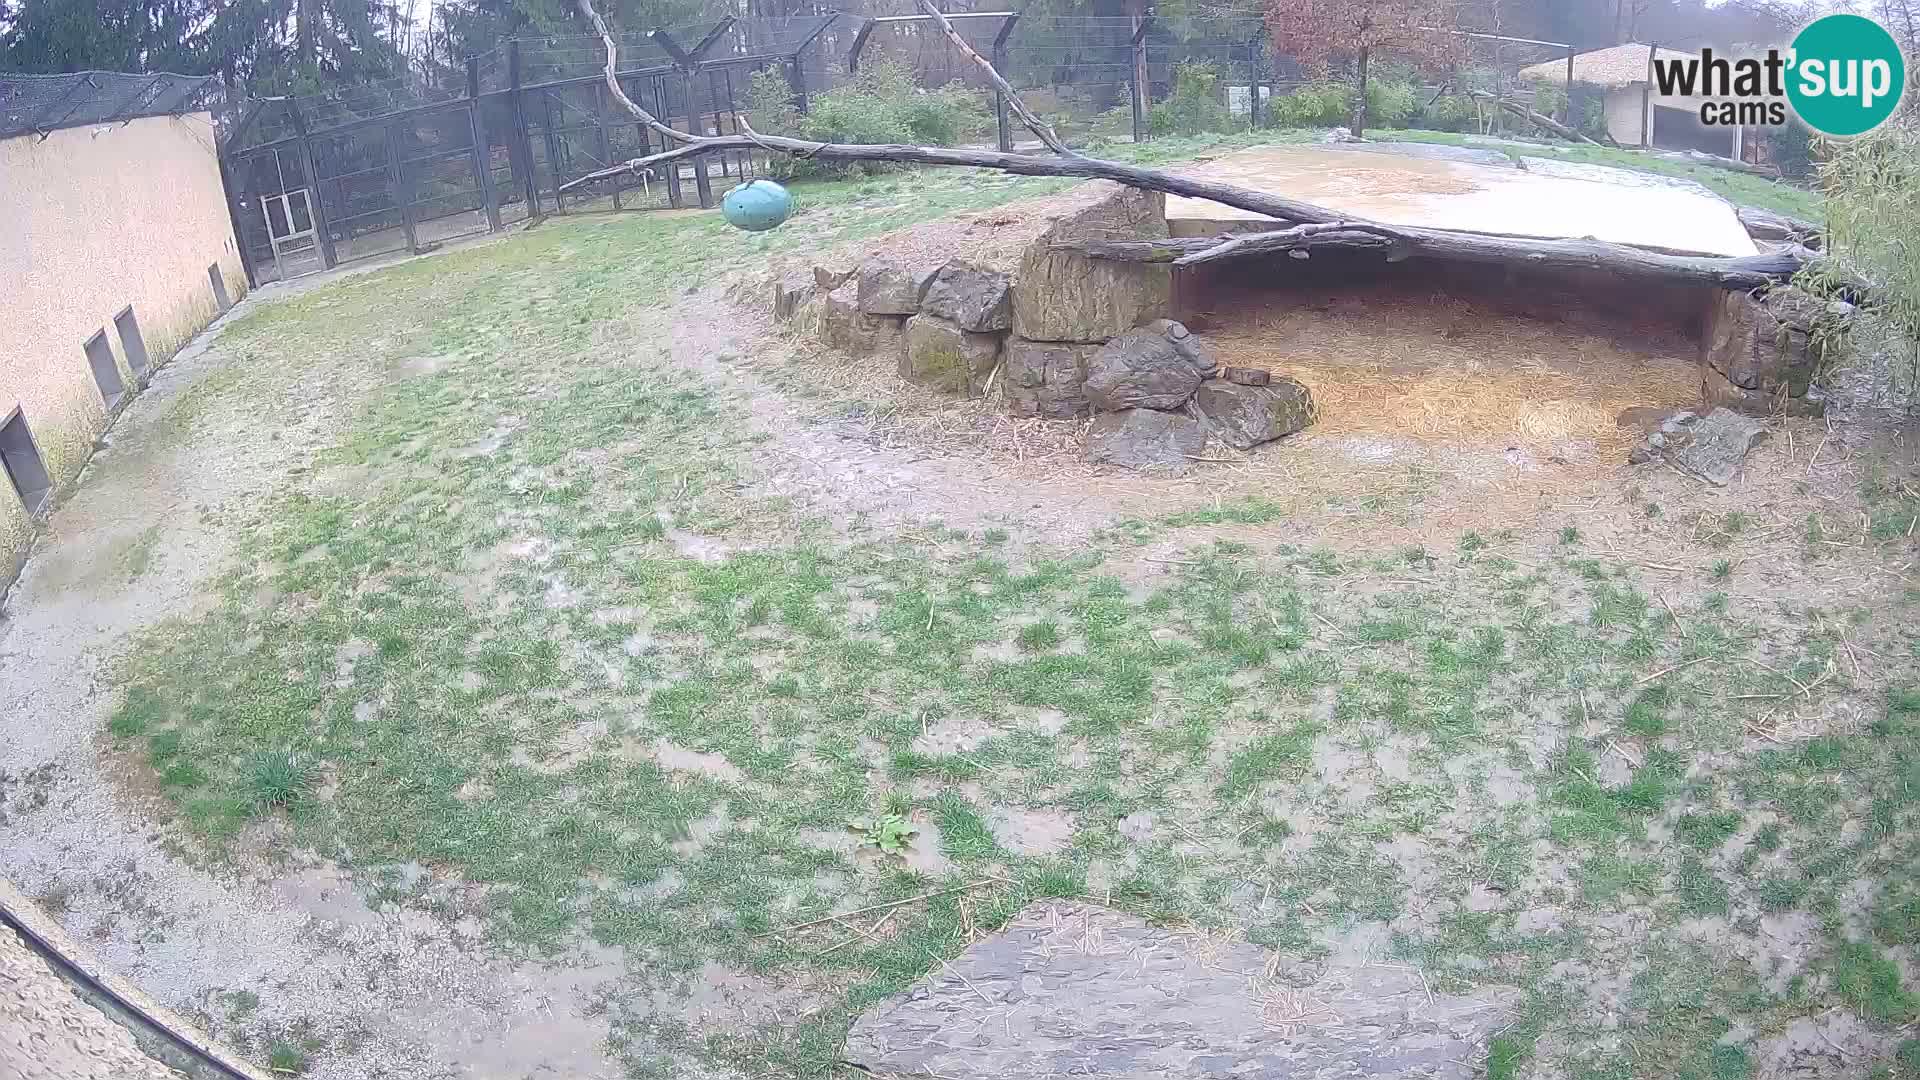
{"x": 37, "y": 104}
{"x": 400, "y": 165}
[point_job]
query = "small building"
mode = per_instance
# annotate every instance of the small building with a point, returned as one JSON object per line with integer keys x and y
{"x": 1636, "y": 113}
{"x": 116, "y": 247}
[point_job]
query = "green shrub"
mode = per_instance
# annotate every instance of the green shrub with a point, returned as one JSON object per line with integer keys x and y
{"x": 1323, "y": 104}
{"x": 1390, "y": 102}
{"x": 880, "y": 105}
{"x": 1448, "y": 112}
{"x": 1194, "y": 107}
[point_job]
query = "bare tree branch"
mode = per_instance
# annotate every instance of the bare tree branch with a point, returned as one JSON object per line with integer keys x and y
{"x": 665, "y": 131}
{"x": 1034, "y": 124}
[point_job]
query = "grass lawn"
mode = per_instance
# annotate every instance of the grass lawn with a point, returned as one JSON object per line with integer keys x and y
{"x": 532, "y": 623}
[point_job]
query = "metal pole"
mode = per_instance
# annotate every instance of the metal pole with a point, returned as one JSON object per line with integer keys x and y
{"x": 482, "y": 149}
{"x": 1568, "y": 119}
{"x": 701, "y": 184}
{"x": 606, "y": 136}
{"x": 522, "y": 140}
{"x": 553, "y": 148}
{"x": 397, "y": 176}
{"x": 1646, "y": 101}
{"x": 674, "y": 196}
{"x": 1142, "y": 91}
{"x": 1002, "y": 126}
{"x": 798, "y": 80}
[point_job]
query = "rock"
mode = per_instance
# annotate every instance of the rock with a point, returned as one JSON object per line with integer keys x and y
{"x": 1045, "y": 378}
{"x": 1146, "y": 439}
{"x": 1709, "y": 447}
{"x": 844, "y": 326}
{"x": 1247, "y": 376}
{"x": 891, "y": 289}
{"x": 1195, "y": 350}
{"x": 1073, "y": 989}
{"x": 1144, "y": 369}
{"x": 1338, "y": 135}
{"x": 1065, "y": 296}
{"x": 791, "y": 291}
{"x": 1245, "y": 416}
{"x": 1767, "y": 349}
{"x": 974, "y": 299}
{"x": 938, "y": 354}
{"x": 834, "y": 271}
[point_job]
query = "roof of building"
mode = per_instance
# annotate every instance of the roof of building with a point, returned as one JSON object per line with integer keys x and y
{"x": 1621, "y": 65}
{"x": 44, "y": 103}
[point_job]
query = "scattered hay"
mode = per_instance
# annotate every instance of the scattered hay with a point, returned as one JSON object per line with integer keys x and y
{"x": 1441, "y": 370}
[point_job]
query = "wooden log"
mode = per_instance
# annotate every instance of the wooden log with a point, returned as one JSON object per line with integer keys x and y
{"x": 1749, "y": 272}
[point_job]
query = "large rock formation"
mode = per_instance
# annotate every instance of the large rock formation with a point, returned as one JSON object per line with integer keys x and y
{"x": 1046, "y": 378}
{"x": 1065, "y": 296}
{"x": 1244, "y": 416}
{"x": 1077, "y": 990}
{"x": 938, "y": 354}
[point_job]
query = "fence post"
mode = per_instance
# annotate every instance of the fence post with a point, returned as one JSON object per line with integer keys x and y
{"x": 317, "y": 204}
{"x": 553, "y": 149}
{"x": 1002, "y": 126}
{"x": 606, "y": 136}
{"x": 798, "y": 80}
{"x": 1142, "y": 89}
{"x": 1568, "y": 118}
{"x": 482, "y": 149}
{"x": 402, "y": 193}
{"x": 522, "y": 141}
{"x": 701, "y": 184}
{"x": 660, "y": 96}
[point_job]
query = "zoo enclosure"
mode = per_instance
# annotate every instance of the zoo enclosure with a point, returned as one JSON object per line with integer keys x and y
{"x": 315, "y": 181}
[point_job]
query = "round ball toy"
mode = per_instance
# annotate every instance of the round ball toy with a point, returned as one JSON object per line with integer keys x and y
{"x": 757, "y": 205}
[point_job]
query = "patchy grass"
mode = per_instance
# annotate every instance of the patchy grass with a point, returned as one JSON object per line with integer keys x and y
{"x": 551, "y": 640}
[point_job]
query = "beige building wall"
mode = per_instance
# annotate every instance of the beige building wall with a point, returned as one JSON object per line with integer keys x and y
{"x": 1622, "y": 107}
{"x": 93, "y": 219}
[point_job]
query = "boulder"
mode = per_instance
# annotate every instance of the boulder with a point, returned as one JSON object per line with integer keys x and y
{"x": 1145, "y": 368}
{"x": 1146, "y": 439}
{"x": 1075, "y": 989}
{"x": 1065, "y": 296}
{"x": 891, "y": 289}
{"x": 791, "y": 291}
{"x": 936, "y": 353}
{"x": 1245, "y": 416}
{"x": 1710, "y": 447}
{"x": 973, "y": 298}
{"x": 844, "y": 326}
{"x": 1247, "y": 376}
{"x": 1045, "y": 378}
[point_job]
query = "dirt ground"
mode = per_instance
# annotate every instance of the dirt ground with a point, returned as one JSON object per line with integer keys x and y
{"x": 468, "y": 667}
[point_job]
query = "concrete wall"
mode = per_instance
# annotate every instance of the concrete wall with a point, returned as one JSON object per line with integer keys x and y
{"x": 93, "y": 219}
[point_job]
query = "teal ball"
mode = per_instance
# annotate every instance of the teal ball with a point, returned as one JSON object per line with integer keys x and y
{"x": 757, "y": 205}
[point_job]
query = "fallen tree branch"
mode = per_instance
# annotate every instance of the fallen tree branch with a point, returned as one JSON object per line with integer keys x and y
{"x": 1545, "y": 123}
{"x": 665, "y": 131}
{"x": 1747, "y": 272}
